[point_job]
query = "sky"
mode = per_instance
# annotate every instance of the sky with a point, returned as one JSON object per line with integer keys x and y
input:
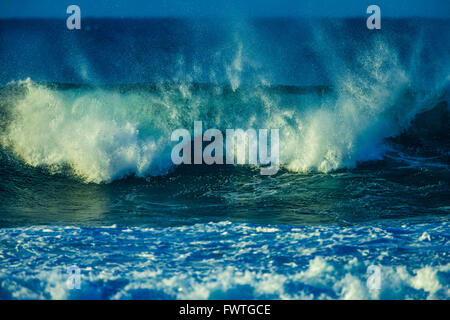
{"x": 205, "y": 8}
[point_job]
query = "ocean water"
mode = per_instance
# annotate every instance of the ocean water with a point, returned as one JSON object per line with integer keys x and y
{"x": 86, "y": 176}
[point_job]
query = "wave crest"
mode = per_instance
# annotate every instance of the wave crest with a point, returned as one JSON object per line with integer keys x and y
{"x": 106, "y": 133}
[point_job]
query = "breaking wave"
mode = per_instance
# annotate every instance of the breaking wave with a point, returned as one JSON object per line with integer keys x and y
{"x": 106, "y": 132}
{"x": 226, "y": 261}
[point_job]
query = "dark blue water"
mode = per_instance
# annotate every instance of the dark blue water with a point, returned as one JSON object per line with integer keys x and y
{"x": 86, "y": 176}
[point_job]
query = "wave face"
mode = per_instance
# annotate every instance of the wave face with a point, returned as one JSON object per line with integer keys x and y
{"x": 227, "y": 261}
{"x": 374, "y": 88}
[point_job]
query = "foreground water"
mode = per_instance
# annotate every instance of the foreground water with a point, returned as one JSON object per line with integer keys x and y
{"x": 226, "y": 261}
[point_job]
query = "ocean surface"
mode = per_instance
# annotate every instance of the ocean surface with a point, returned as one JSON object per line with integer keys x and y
{"x": 86, "y": 176}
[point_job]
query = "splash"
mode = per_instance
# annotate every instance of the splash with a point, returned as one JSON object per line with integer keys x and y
{"x": 104, "y": 133}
